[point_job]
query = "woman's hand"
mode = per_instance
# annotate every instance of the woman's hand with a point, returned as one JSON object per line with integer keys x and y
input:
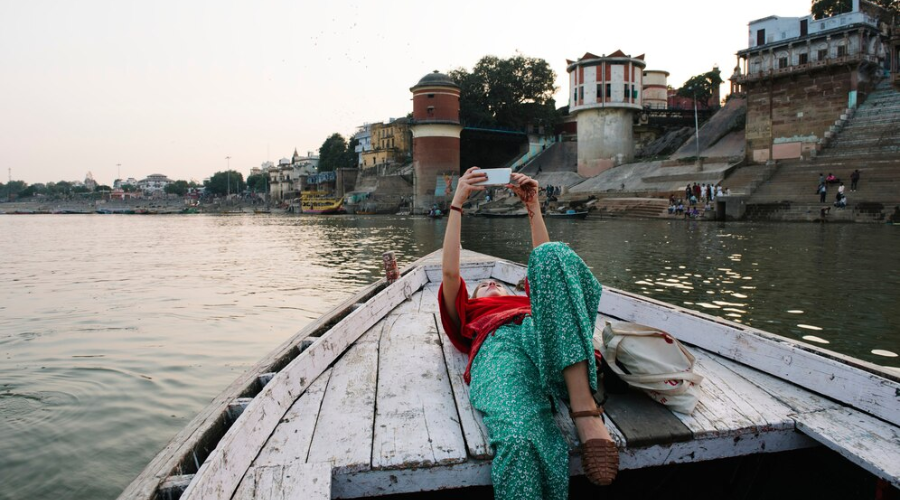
{"x": 525, "y": 188}
{"x": 467, "y": 183}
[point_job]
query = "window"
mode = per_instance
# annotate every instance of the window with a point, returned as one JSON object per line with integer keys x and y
{"x": 431, "y": 96}
{"x": 626, "y": 93}
{"x": 823, "y": 53}
{"x": 782, "y": 62}
{"x": 842, "y": 50}
{"x": 804, "y": 27}
{"x": 575, "y": 96}
{"x": 581, "y": 92}
{"x": 760, "y": 37}
{"x": 608, "y": 90}
{"x": 804, "y": 58}
{"x": 599, "y": 92}
{"x": 430, "y": 111}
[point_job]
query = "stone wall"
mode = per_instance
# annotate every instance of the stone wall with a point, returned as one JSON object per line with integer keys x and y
{"x": 803, "y": 106}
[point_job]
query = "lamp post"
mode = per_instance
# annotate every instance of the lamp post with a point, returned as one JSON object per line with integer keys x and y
{"x": 228, "y": 172}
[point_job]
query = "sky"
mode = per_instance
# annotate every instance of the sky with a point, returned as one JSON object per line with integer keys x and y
{"x": 175, "y": 87}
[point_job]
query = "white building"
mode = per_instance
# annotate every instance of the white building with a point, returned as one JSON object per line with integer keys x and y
{"x": 154, "y": 184}
{"x": 364, "y": 138}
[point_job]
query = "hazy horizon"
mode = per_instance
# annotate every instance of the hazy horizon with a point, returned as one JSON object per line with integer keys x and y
{"x": 175, "y": 88}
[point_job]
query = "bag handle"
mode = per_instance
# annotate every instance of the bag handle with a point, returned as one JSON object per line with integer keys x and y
{"x": 613, "y": 346}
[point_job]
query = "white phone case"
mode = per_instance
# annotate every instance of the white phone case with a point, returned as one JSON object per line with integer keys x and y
{"x": 496, "y": 176}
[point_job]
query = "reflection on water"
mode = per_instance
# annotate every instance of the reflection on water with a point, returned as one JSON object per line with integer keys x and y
{"x": 115, "y": 330}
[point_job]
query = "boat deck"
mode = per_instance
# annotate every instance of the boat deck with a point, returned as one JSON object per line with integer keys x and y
{"x": 392, "y": 414}
{"x": 370, "y": 400}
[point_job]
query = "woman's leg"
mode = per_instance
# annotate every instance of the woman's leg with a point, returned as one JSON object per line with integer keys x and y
{"x": 564, "y": 300}
{"x": 531, "y": 458}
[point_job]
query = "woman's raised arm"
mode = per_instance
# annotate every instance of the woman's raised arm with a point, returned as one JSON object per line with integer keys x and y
{"x": 450, "y": 263}
{"x": 526, "y": 189}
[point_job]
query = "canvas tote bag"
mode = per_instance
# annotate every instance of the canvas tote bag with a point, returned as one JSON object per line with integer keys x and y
{"x": 657, "y": 363}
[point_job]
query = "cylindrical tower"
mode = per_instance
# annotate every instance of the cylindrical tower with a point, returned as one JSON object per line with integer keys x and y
{"x": 604, "y": 94}
{"x": 435, "y": 129}
{"x": 656, "y": 95}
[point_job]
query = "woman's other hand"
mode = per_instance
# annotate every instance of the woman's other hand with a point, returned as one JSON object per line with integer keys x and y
{"x": 525, "y": 188}
{"x": 467, "y": 183}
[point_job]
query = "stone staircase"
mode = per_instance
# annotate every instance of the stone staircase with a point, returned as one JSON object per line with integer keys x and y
{"x": 869, "y": 141}
{"x": 745, "y": 179}
{"x": 641, "y": 208}
{"x": 873, "y": 130}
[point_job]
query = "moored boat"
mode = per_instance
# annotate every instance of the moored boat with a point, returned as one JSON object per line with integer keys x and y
{"x": 369, "y": 400}
{"x": 320, "y": 203}
{"x": 569, "y": 214}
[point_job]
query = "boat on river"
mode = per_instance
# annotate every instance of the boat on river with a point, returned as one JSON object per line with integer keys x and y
{"x": 320, "y": 202}
{"x": 369, "y": 400}
{"x": 569, "y": 214}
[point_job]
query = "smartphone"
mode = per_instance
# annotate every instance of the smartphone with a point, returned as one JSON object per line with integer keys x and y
{"x": 495, "y": 176}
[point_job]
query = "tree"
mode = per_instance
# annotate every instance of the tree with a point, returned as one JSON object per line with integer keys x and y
{"x": 220, "y": 181}
{"x": 828, "y": 8}
{"x": 512, "y": 93}
{"x": 701, "y": 87}
{"x": 14, "y": 188}
{"x": 257, "y": 183}
{"x": 179, "y": 188}
{"x": 351, "y": 157}
{"x": 333, "y": 153}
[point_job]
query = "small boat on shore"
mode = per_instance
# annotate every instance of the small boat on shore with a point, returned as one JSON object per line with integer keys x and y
{"x": 571, "y": 214}
{"x": 369, "y": 400}
{"x": 320, "y": 203}
{"x": 503, "y": 215}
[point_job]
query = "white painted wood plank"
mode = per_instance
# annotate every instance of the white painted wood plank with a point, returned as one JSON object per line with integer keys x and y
{"x": 852, "y": 381}
{"x": 866, "y": 441}
{"x": 416, "y": 423}
{"x": 474, "y": 430}
{"x": 470, "y": 271}
{"x": 410, "y": 305}
{"x": 478, "y": 472}
{"x": 429, "y": 303}
{"x": 796, "y": 398}
{"x": 287, "y": 482}
{"x": 730, "y": 404}
{"x": 220, "y": 474}
{"x": 343, "y": 435}
{"x": 289, "y": 443}
{"x": 509, "y": 272}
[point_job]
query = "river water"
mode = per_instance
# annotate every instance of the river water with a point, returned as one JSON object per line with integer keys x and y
{"x": 116, "y": 330}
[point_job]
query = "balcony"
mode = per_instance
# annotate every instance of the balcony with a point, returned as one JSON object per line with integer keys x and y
{"x": 802, "y": 68}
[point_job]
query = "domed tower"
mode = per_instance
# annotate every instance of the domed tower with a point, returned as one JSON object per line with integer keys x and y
{"x": 604, "y": 94}
{"x": 435, "y": 130}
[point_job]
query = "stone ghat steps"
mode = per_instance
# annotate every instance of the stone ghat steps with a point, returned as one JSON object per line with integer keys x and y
{"x": 747, "y": 178}
{"x": 810, "y": 212}
{"x": 644, "y": 208}
{"x": 879, "y": 180}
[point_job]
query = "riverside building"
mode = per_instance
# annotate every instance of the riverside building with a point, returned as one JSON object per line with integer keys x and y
{"x": 801, "y": 74}
{"x": 604, "y": 94}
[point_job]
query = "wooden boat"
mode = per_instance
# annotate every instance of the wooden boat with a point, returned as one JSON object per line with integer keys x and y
{"x": 320, "y": 203}
{"x": 567, "y": 215}
{"x": 370, "y": 400}
{"x": 504, "y": 215}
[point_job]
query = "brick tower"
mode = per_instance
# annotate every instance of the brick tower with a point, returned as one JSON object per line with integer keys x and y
{"x": 435, "y": 129}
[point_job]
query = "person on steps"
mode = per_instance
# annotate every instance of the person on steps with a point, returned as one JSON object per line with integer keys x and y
{"x": 528, "y": 352}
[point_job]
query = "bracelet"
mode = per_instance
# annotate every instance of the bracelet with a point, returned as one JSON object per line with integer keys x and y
{"x": 456, "y": 209}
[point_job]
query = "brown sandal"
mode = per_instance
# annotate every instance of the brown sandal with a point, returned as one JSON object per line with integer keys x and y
{"x": 599, "y": 457}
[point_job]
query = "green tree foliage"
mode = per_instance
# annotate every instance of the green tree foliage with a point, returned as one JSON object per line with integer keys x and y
{"x": 701, "y": 87}
{"x": 827, "y": 8}
{"x": 102, "y": 188}
{"x": 333, "y": 153}
{"x": 219, "y": 183}
{"x": 513, "y": 93}
{"x": 179, "y": 188}
{"x": 351, "y": 157}
{"x": 257, "y": 183}
{"x": 13, "y": 189}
